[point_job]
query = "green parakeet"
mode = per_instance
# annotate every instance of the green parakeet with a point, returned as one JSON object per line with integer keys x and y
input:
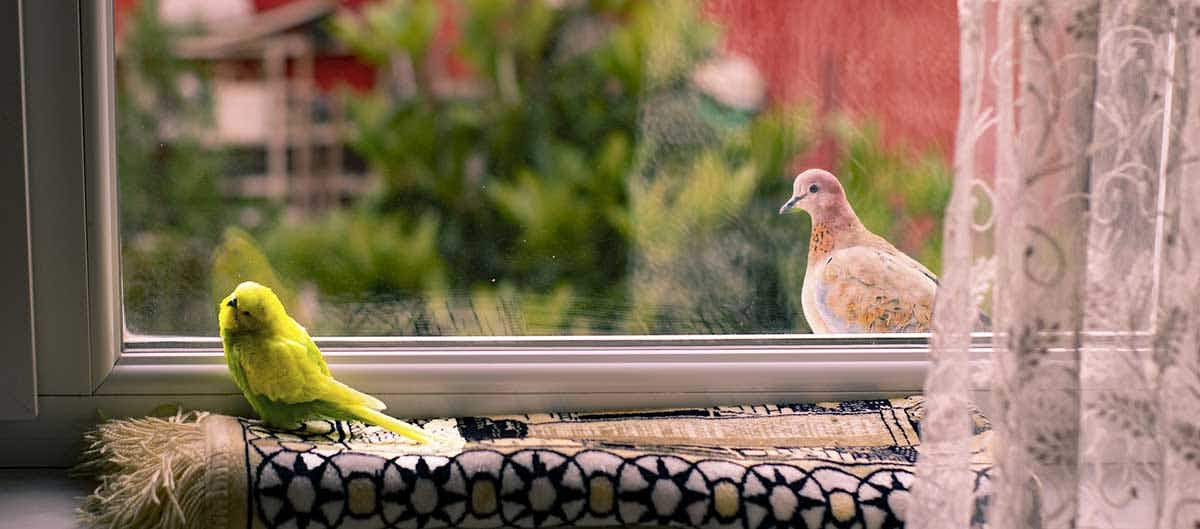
{"x": 282, "y": 373}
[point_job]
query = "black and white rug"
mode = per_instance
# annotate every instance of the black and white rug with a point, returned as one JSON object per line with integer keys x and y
{"x": 830, "y": 465}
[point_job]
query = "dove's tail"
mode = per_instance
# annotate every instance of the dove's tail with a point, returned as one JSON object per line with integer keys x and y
{"x": 387, "y": 422}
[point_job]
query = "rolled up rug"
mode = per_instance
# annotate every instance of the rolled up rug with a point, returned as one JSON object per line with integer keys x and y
{"x": 846, "y": 464}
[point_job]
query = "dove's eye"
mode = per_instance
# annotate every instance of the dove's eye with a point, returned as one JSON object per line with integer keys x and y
{"x": 813, "y": 188}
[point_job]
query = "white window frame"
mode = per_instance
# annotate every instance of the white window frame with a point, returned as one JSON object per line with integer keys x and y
{"x": 85, "y": 362}
{"x": 18, "y": 381}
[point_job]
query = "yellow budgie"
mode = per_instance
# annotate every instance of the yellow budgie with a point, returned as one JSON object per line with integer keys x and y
{"x": 282, "y": 373}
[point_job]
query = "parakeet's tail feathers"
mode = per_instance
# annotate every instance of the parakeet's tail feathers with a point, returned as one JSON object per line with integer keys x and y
{"x": 342, "y": 394}
{"x": 395, "y": 425}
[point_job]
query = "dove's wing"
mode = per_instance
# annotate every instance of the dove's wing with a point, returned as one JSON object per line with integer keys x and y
{"x": 866, "y": 289}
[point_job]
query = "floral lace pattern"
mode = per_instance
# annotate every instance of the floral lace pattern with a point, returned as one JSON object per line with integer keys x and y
{"x": 1074, "y": 222}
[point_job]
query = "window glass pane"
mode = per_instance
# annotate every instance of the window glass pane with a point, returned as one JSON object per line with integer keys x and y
{"x": 517, "y": 167}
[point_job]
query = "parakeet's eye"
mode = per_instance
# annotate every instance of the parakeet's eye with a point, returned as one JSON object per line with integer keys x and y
{"x": 813, "y": 188}
{"x": 245, "y": 313}
{"x": 232, "y": 303}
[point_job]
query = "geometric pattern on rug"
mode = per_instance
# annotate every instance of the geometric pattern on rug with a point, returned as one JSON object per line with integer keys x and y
{"x": 836, "y": 465}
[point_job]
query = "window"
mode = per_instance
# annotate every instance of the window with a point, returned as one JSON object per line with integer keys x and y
{"x": 486, "y": 169}
{"x": 615, "y": 167}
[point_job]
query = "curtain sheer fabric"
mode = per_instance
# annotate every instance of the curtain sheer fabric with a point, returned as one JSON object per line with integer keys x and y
{"x": 1075, "y": 223}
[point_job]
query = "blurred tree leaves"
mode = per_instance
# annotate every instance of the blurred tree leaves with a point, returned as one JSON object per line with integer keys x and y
{"x": 171, "y": 209}
{"x": 522, "y": 169}
{"x": 900, "y": 196}
{"x": 238, "y": 258}
{"x": 408, "y": 24}
{"x": 357, "y": 253}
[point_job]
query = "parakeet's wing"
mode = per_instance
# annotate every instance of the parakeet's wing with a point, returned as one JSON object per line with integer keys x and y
{"x": 280, "y": 369}
{"x": 291, "y": 372}
{"x": 314, "y": 354}
{"x": 335, "y": 391}
{"x": 233, "y": 359}
{"x": 865, "y": 289}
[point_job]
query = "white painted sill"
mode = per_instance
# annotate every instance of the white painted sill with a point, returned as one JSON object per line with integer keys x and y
{"x": 871, "y": 366}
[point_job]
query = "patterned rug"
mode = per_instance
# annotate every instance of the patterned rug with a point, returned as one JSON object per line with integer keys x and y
{"x": 837, "y": 465}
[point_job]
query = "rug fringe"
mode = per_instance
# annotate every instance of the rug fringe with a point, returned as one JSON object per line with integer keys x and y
{"x": 151, "y": 472}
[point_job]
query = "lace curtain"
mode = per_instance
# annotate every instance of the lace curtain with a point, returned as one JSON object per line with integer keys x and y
{"x": 1074, "y": 222}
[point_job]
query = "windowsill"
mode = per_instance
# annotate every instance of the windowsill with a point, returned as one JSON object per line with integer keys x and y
{"x": 495, "y": 375}
{"x": 468, "y": 379}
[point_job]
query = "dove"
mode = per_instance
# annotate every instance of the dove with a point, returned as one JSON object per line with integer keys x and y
{"x": 855, "y": 281}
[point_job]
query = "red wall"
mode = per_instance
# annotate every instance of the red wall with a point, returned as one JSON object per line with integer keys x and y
{"x": 895, "y": 61}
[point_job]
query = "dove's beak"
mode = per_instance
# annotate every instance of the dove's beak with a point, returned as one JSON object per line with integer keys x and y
{"x": 791, "y": 203}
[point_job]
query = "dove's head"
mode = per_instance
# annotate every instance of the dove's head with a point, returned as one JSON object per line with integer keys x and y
{"x": 250, "y": 307}
{"x": 819, "y": 193}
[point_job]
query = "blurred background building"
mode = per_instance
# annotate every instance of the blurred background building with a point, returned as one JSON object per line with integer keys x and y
{"x": 274, "y": 72}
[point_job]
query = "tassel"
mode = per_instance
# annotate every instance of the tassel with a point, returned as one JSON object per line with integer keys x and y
{"x": 151, "y": 472}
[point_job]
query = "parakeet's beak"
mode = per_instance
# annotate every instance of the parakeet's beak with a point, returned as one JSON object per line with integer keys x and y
{"x": 791, "y": 203}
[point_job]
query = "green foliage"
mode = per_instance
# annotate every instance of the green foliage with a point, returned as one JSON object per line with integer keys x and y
{"x": 238, "y": 258}
{"x": 545, "y": 177}
{"x": 711, "y": 255}
{"x": 524, "y": 177}
{"x": 408, "y": 24}
{"x": 171, "y": 207}
{"x": 504, "y": 311}
{"x": 152, "y": 105}
{"x": 900, "y": 197}
{"x": 358, "y": 253}
{"x": 165, "y": 278}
